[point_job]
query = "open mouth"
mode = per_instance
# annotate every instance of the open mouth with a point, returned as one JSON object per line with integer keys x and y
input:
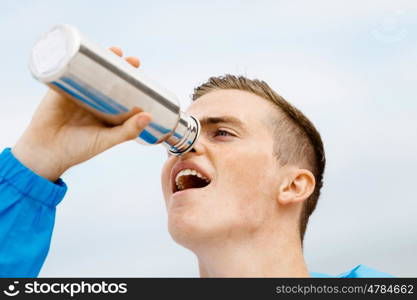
{"x": 189, "y": 179}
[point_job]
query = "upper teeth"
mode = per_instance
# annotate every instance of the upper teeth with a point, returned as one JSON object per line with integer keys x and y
{"x": 189, "y": 172}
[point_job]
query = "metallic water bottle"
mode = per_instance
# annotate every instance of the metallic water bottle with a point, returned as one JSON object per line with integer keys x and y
{"x": 110, "y": 88}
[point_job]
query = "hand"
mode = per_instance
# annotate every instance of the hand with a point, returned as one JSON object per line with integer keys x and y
{"x": 63, "y": 134}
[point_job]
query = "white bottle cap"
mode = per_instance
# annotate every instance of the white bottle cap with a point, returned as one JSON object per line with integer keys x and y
{"x": 53, "y": 51}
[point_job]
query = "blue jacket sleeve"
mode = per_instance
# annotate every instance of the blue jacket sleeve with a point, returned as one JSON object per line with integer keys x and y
{"x": 27, "y": 216}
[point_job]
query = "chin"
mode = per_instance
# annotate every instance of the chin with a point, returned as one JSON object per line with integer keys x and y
{"x": 196, "y": 232}
{"x": 192, "y": 232}
{"x": 185, "y": 229}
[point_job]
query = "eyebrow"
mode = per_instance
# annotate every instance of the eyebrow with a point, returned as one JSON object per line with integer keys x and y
{"x": 222, "y": 119}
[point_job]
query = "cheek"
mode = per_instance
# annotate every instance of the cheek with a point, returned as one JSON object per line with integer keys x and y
{"x": 165, "y": 176}
{"x": 249, "y": 179}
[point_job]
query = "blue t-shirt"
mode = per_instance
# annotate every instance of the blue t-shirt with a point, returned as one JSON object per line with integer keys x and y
{"x": 360, "y": 271}
{"x": 27, "y": 216}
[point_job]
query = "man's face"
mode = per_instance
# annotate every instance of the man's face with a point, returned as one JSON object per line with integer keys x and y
{"x": 235, "y": 152}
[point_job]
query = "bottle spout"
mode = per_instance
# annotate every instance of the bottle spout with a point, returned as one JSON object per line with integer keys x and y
{"x": 184, "y": 135}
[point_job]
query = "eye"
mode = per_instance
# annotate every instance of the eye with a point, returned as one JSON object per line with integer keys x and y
{"x": 221, "y": 132}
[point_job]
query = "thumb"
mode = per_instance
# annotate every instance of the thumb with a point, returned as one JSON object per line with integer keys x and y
{"x": 129, "y": 130}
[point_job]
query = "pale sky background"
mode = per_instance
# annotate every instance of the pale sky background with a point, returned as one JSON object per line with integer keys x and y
{"x": 350, "y": 66}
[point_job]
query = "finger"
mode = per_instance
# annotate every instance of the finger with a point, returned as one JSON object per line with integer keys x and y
{"x": 134, "y": 61}
{"x": 129, "y": 130}
{"x": 116, "y": 50}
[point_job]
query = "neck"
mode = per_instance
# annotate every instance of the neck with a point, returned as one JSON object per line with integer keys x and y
{"x": 256, "y": 257}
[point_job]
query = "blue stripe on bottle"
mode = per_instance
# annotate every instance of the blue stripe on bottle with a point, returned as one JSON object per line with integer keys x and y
{"x": 163, "y": 130}
{"x": 148, "y": 137}
{"x": 109, "y": 106}
{"x": 77, "y": 96}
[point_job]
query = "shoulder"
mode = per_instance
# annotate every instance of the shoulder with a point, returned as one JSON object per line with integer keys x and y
{"x": 360, "y": 271}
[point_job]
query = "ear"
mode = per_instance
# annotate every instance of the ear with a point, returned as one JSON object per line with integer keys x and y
{"x": 297, "y": 186}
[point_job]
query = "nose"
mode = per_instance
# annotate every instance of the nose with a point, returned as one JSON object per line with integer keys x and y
{"x": 197, "y": 149}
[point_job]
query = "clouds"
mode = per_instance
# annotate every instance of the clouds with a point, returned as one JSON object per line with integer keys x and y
{"x": 348, "y": 66}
